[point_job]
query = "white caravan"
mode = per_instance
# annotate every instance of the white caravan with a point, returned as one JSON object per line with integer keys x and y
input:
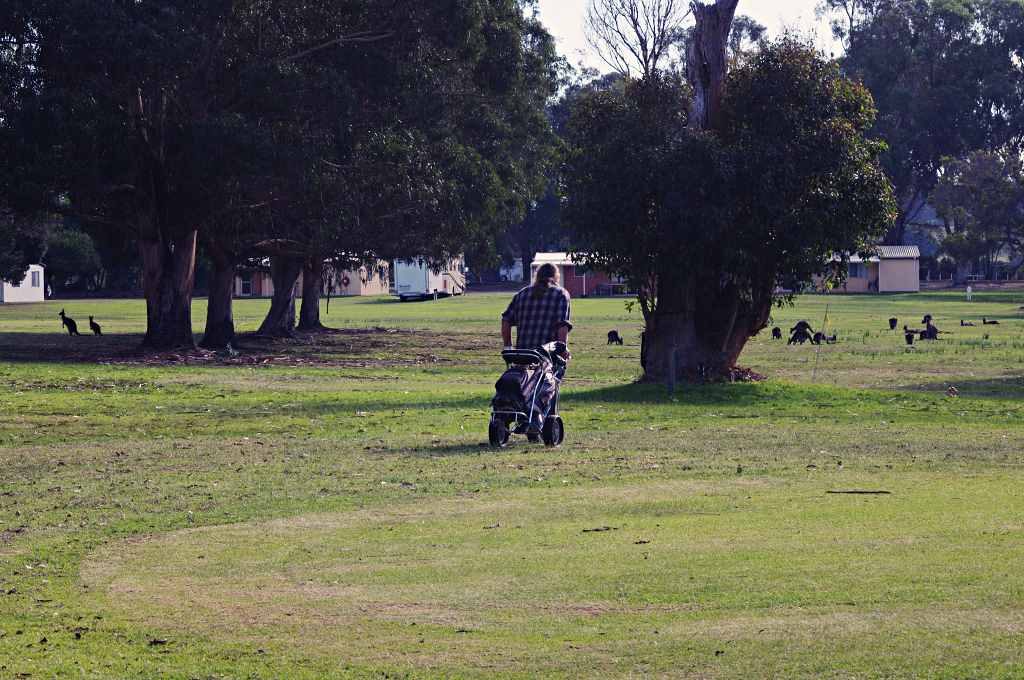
{"x": 419, "y": 280}
{"x": 30, "y": 289}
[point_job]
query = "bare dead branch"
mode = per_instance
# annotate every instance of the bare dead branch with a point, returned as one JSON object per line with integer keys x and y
{"x": 634, "y": 36}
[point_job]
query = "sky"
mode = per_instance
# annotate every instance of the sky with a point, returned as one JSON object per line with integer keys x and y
{"x": 564, "y": 19}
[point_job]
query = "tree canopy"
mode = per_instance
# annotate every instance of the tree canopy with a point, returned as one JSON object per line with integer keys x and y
{"x": 707, "y": 224}
{"x": 946, "y": 78}
{"x": 980, "y": 199}
{"x": 307, "y": 130}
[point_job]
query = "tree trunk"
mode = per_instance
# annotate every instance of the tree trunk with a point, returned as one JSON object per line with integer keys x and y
{"x": 897, "y": 232}
{"x": 280, "y": 320}
{"x": 963, "y": 271}
{"x": 707, "y": 61}
{"x": 688, "y": 329}
{"x": 168, "y": 268}
{"x": 220, "y": 322}
{"x": 527, "y": 253}
{"x": 706, "y": 339}
{"x": 309, "y": 313}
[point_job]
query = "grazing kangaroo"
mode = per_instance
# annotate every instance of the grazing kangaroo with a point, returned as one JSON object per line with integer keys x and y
{"x": 801, "y": 333}
{"x": 69, "y": 323}
{"x": 986, "y": 322}
{"x": 614, "y": 338}
{"x": 776, "y": 333}
{"x": 966, "y": 323}
{"x": 96, "y": 328}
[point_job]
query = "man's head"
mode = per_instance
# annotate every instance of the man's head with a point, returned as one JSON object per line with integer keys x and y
{"x": 547, "y": 275}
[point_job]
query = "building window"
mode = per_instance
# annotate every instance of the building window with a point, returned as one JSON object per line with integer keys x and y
{"x": 857, "y": 270}
{"x": 246, "y": 284}
{"x": 35, "y": 280}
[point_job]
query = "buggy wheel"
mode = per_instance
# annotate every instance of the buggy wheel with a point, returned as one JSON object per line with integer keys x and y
{"x": 498, "y": 434}
{"x": 553, "y": 432}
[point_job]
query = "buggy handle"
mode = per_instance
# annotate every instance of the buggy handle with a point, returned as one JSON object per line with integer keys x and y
{"x": 549, "y": 353}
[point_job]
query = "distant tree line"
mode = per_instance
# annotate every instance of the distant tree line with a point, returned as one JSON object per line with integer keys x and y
{"x": 232, "y": 130}
{"x": 948, "y": 82}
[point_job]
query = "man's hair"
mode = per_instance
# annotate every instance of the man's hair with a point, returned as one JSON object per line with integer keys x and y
{"x": 546, "y": 275}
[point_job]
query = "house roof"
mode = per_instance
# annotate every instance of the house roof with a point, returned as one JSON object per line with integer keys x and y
{"x": 899, "y": 252}
{"x": 889, "y": 253}
{"x": 560, "y": 259}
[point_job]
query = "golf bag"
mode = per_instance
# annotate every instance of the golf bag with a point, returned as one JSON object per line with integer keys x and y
{"x": 529, "y": 387}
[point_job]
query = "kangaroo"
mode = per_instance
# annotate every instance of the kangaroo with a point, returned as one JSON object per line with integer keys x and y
{"x": 614, "y": 338}
{"x": 892, "y": 323}
{"x": 987, "y": 322}
{"x": 776, "y": 333}
{"x": 966, "y": 323}
{"x": 96, "y": 328}
{"x": 69, "y": 323}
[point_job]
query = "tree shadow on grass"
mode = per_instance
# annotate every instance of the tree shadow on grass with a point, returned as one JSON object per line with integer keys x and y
{"x": 345, "y": 348}
{"x": 737, "y": 394}
{"x": 62, "y": 348}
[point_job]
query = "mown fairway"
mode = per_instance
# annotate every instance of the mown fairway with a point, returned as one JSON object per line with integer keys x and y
{"x": 329, "y": 509}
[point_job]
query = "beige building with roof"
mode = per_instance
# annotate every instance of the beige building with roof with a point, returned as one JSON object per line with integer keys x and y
{"x": 895, "y": 269}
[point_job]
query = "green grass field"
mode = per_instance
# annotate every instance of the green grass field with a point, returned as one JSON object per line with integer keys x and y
{"x": 329, "y": 508}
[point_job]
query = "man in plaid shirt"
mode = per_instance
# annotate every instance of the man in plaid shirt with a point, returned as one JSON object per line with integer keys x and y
{"x": 539, "y": 312}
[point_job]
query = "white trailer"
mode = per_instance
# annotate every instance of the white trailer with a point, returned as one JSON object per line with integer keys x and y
{"x": 419, "y": 280}
{"x": 30, "y": 289}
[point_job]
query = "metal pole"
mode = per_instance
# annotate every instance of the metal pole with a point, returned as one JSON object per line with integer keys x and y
{"x": 817, "y": 353}
{"x": 672, "y": 361}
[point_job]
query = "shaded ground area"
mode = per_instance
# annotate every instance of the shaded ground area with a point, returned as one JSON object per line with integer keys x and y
{"x": 357, "y": 347}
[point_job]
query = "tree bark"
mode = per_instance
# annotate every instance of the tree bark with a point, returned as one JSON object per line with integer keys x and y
{"x": 527, "y": 253}
{"x": 705, "y": 329}
{"x": 168, "y": 267}
{"x": 707, "y": 61}
{"x": 693, "y": 325}
{"x": 220, "y": 322}
{"x": 309, "y": 313}
{"x": 280, "y": 320}
{"x": 963, "y": 271}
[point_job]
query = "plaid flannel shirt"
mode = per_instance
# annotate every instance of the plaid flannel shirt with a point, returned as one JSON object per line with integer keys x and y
{"x": 537, "y": 320}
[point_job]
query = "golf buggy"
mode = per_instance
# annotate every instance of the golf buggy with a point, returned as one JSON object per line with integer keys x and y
{"x": 526, "y": 399}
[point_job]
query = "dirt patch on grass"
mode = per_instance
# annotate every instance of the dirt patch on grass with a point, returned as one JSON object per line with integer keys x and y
{"x": 376, "y": 347}
{"x": 8, "y": 535}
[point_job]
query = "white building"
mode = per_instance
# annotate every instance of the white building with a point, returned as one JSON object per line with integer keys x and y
{"x": 31, "y": 289}
{"x": 420, "y": 279}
